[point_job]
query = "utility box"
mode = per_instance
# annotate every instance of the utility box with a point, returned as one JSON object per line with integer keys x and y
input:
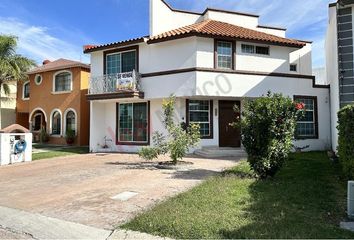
{"x": 351, "y": 199}
{"x": 15, "y": 145}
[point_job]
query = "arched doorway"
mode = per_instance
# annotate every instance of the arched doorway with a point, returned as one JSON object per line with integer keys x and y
{"x": 37, "y": 122}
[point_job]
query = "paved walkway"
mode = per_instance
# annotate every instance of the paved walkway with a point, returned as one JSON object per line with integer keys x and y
{"x": 101, "y": 191}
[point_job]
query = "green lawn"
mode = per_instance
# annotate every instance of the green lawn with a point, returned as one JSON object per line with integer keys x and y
{"x": 57, "y": 152}
{"x": 307, "y": 199}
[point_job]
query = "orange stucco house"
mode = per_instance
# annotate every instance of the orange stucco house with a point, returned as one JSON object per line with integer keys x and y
{"x": 54, "y": 99}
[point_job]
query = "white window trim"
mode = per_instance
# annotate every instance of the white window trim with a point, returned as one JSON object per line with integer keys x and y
{"x": 23, "y": 91}
{"x": 147, "y": 116}
{"x": 64, "y": 119}
{"x": 120, "y": 56}
{"x": 51, "y": 123}
{"x": 35, "y": 110}
{"x": 71, "y": 85}
{"x": 35, "y": 77}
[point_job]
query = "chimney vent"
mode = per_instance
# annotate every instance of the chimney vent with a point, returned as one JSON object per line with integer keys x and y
{"x": 46, "y": 62}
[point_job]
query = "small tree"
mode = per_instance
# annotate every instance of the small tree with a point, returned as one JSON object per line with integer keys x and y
{"x": 346, "y": 140}
{"x": 268, "y": 126}
{"x": 178, "y": 140}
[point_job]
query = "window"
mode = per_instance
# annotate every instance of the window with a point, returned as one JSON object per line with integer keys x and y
{"x": 38, "y": 79}
{"x": 63, "y": 82}
{"x": 307, "y": 125}
{"x": 121, "y": 62}
{"x": 70, "y": 121}
{"x": 199, "y": 112}
{"x": 247, "y": 48}
{"x": 56, "y": 123}
{"x": 26, "y": 90}
{"x": 293, "y": 67}
{"x": 133, "y": 122}
{"x": 262, "y": 50}
{"x": 251, "y": 49}
{"x": 224, "y": 52}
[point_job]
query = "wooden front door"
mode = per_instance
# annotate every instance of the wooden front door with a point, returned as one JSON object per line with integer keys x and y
{"x": 228, "y": 136}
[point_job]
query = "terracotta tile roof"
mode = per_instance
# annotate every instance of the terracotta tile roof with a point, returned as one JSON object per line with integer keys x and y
{"x": 91, "y": 48}
{"x": 212, "y": 28}
{"x": 57, "y": 65}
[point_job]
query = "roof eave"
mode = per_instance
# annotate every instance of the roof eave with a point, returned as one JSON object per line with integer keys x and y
{"x": 114, "y": 45}
{"x": 196, "y": 34}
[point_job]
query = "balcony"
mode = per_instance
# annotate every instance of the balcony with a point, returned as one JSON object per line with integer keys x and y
{"x": 112, "y": 86}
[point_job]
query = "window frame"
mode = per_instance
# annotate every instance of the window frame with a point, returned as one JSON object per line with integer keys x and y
{"x": 35, "y": 79}
{"x": 23, "y": 91}
{"x": 211, "y": 115}
{"x": 255, "y": 49}
{"x": 133, "y": 143}
{"x": 51, "y": 123}
{"x": 315, "y": 110}
{"x": 121, "y": 50}
{"x": 293, "y": 64}
{"x": 71, "y": 82}
{"x": 233, "y": 54}
{"x": 65, "y": 123}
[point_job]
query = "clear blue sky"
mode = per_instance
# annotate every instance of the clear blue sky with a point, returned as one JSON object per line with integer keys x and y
{"x": 59, "y": 28}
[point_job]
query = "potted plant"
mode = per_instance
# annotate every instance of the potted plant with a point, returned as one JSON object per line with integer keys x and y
{"x": 70, "y": 136}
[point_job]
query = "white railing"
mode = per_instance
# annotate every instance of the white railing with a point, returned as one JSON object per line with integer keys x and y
{"x": 113, "y": 83}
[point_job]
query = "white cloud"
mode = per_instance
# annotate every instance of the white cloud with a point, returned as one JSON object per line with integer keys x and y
{"x": 37, "y": 43}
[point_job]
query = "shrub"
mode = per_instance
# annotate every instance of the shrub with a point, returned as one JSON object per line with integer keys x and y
{"x": 346, "y": 140}
{"x": 268, "y": 126}
{"x": 178, "y": 140}
{"x": 43, "y": 136}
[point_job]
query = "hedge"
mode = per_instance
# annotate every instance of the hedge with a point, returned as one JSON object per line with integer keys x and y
{"x": 346, "y": 140}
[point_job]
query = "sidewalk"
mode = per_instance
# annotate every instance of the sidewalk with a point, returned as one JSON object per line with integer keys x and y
{"x": 17, "y": 224}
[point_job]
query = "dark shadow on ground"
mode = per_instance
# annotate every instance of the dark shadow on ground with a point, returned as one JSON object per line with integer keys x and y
{"x": 194, "y": 174}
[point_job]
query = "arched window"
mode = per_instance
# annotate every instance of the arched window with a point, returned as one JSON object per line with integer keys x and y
{"x": 70, "y": 121}
{"x": 56, "y": 123}
{"x": 63, "y": 82}
{"x": 26, "y": 90}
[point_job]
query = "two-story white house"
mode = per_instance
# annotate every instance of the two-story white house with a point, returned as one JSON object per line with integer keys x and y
{"x": 210, "y": 61}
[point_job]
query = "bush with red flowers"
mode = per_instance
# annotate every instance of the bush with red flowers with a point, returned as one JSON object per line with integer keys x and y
{"x": 268, "y": 127}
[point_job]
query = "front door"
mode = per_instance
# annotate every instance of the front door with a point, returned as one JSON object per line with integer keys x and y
{"x": 228, "y": 136}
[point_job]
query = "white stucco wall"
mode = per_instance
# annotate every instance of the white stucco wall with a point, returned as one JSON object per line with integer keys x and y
{"x": 276, "y": 61}
{"x": 163, "y": 19}
{"x": 332, "y": 72}
{"x": 235, "y": 19}
{"x": 303, "y": 59}
{"x": 276, "y": 32}
{"x": 170, "y": 55}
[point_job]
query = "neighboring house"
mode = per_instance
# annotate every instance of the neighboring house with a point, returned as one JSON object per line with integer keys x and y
{"x": 340, "y": 60}
{"x": 8, "y": 106}
{"x": 54, "y": 99}
{"x": 210, "y": 61}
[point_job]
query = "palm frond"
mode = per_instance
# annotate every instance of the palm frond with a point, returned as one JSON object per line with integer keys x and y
{"x": 8, "y": 45}
{"x": 6, "y": 88}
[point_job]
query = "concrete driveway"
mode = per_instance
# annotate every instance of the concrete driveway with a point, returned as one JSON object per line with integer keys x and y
{"x": 84, "y": 188}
